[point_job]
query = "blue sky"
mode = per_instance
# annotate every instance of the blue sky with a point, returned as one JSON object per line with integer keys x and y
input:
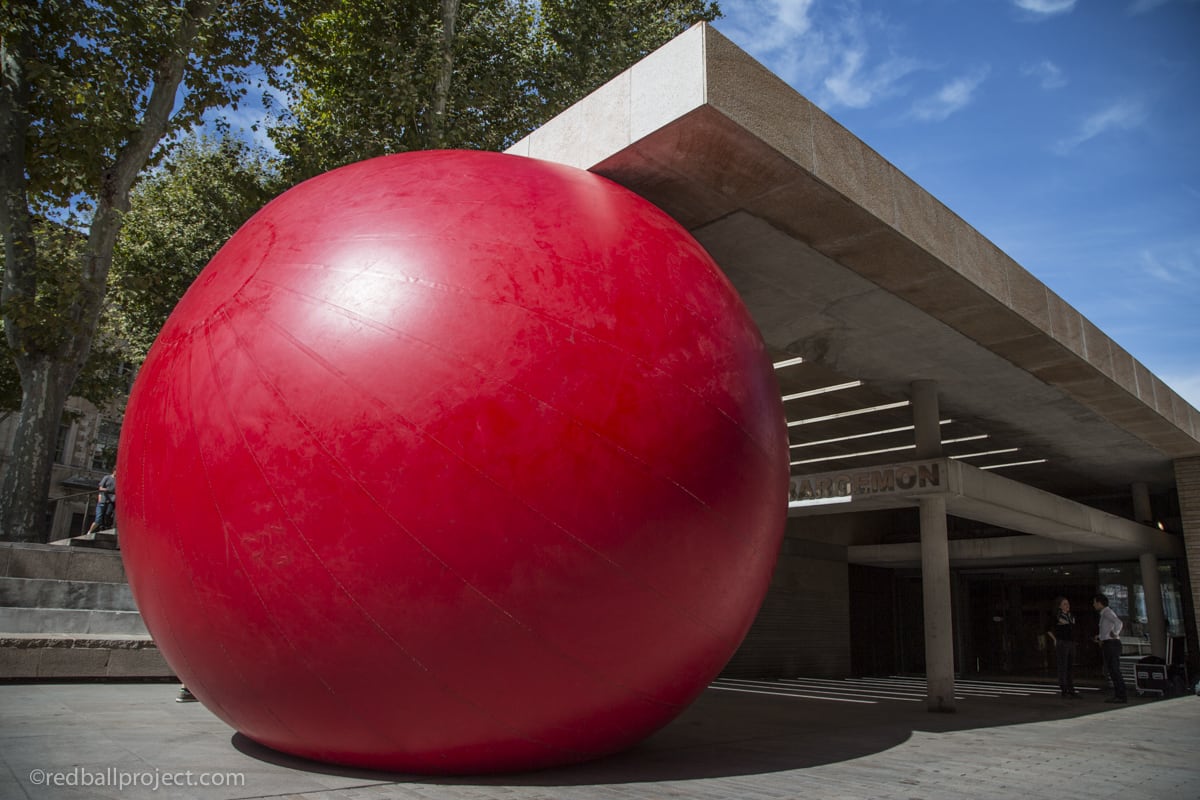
{"x": 1065, "y": 131}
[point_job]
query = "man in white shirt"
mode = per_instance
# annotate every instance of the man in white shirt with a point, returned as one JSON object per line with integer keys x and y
{"x": 1110, "y": 646}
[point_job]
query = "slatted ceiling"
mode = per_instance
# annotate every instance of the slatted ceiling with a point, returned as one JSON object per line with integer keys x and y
{"x": 807, "y": 445}
{"x": 856, "y": 453}
{"x": 821, "y": 406}
{"x": 834, "y": 450}
{"x": 811, "y": 420}
{"x": 828, "y": 438}
{"x": 1024, "y": 474}
{"x": 838, "y": 402}
{"x": 806, "y": 377}
{"x": 895, "y": 447}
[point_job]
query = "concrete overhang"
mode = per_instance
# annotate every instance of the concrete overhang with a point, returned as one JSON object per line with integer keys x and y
{"x": 848, "y": 263}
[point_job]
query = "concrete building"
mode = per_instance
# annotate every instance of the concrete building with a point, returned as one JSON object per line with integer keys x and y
{"x": 84, "y": 452}
{"x": 966, "y": 446}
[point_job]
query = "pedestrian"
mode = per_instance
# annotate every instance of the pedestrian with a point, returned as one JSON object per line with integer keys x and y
{"x": 1062, "y": 633}
{"x": 105, "y": 503}
{"x": 1110, "y": 647}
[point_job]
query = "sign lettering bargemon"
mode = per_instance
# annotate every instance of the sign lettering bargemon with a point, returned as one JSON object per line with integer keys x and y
{"x": 902, "y": 478}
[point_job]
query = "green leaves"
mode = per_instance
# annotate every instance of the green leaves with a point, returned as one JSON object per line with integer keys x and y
{"x": 91, "y": 68}
{"x": 367, "y": 72}
{"x": 180, "y": 215}
{"x": 89, "y": 91}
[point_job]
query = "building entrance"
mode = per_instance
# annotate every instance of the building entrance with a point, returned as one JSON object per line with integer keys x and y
{"x": 1005, "y": 614}
{"x": 1002, "y": 615}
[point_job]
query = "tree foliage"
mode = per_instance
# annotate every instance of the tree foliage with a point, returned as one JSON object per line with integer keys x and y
{"x": 375, "y": 77}
{"x": 89, "y": 91}
{"x": 104, "y": 375}
{"x": 582, "y": 44}
{"x": 180, "y": 215}
{"x": 92, "y": 92}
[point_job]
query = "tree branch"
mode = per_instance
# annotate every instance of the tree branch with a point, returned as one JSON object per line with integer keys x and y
{"x": 117, "y": 180}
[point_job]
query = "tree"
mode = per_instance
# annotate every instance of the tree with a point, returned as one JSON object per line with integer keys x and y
{"x": 92, "y": 92}
{"x": 104, "y": 375}
{"x": 582, "y": 44}
{"x": 89, "y": 92}
{"x": 378, "y": 77}
{"x": 180, "y": 215}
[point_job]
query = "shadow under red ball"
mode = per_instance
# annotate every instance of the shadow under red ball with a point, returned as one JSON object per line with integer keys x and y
{"x": 453, "y": 462}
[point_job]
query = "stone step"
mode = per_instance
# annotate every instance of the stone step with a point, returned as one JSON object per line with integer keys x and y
{"x": 66, "y": 612}
{"x": 102, "y": 540}
{"x": 59, "y": 656}
{"x": 70, "y": 621}
{"x": 53, "y": 593}
{"x": 24, "y": 560}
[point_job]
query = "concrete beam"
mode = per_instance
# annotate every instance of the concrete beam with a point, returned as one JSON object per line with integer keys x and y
{"x": 991, "y": 498}
{"x": 985, "y": 497}
{"x": 995, "y": 551}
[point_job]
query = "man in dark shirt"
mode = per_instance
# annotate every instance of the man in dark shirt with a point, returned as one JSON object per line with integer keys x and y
{"x": 1063, "y": 636}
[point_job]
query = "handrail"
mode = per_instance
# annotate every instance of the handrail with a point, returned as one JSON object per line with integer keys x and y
{"x": 69, "y": 496}
{"x": 87, "y": 507}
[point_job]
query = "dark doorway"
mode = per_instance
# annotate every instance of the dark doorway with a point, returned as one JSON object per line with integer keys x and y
{"x": 1007, "y": 614}
{"x": 872, "y": 621}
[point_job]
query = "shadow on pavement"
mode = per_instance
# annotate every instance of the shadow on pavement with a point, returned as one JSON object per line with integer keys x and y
{"x": 729, "y": 734}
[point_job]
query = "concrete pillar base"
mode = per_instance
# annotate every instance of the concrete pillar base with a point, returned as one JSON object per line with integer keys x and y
{"x": 935, "y": 583}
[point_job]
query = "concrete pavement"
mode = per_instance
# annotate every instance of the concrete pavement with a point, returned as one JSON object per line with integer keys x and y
{"x": 739, "y": 740}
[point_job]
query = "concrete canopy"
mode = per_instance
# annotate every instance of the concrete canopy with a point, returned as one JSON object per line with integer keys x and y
{"x": 848, "y": 264}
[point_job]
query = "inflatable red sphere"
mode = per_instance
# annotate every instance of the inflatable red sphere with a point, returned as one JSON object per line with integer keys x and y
{"x": 453, "y": 462}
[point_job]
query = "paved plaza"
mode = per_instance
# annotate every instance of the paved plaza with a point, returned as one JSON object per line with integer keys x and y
{"x": 742, "y": 739}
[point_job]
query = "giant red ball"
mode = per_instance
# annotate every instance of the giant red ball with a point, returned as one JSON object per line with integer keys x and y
{"x": 453, "y": 462}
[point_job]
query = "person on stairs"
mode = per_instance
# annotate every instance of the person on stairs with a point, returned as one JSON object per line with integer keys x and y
{"x": 106, "y": 502}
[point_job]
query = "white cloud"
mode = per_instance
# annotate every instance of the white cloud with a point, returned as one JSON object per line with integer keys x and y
{"x": 1180, "y": 270}
{"x": 828, "y": 52}
{"x": 1045, "y": 7}
{"x": 793, "y": 15}
{"x": 846, "y": 84}
{"x": 772, "y": 25}
{"x": 1122, "y": 115}
{"x": 952, "y": 97}
{"x": 1048, "y": 74}
{"x": 856, "y": 87}
{"x": 1142, "y": 6}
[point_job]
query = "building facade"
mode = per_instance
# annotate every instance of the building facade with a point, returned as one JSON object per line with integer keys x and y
{"x": 85, "y": 451}
{"x": 966, "y": 446}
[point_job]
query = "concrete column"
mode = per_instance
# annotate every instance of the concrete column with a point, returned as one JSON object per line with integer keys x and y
{"x": 935, "y": 584}
{"x": 1156, "y": 617}
{"x": 1141, "y": 504}
{"x": 926, "y": 419}
{"x": 1187, "y": 482}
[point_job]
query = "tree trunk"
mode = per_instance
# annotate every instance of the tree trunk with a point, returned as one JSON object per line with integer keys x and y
{"x": 441, "y": 89}
{"x": 27, "y": 481}
{"x": 47, "y": 374}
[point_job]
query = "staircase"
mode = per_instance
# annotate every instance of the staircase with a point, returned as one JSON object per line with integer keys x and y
{"x": 66, "y": 612}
